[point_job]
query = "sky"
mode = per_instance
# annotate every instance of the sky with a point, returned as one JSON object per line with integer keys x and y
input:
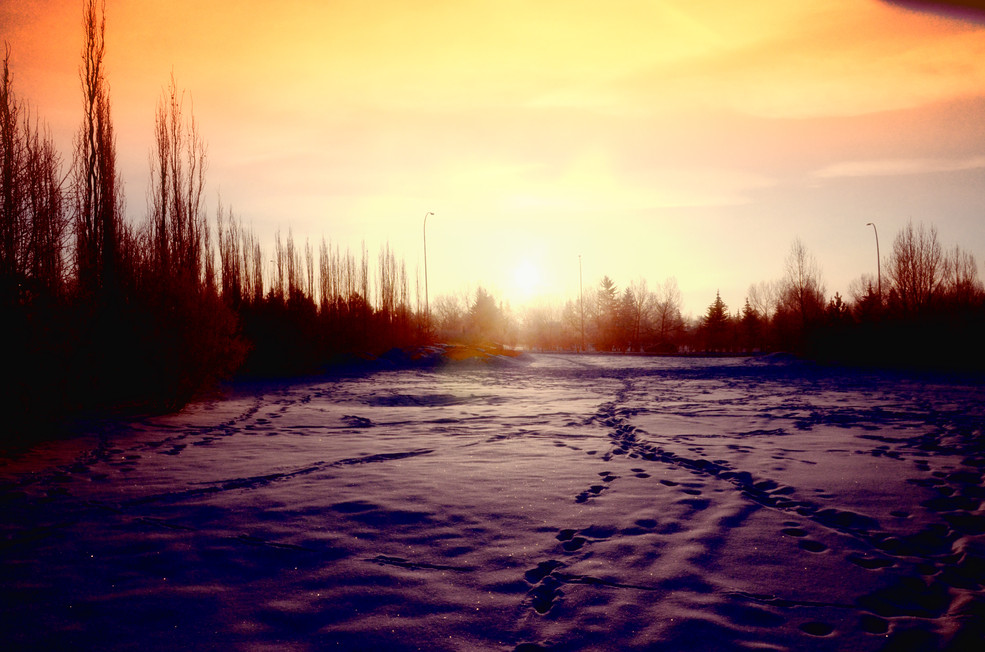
{"x": 554, "y": 141}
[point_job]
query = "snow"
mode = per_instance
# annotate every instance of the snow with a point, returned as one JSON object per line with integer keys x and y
{"x": 547, "y": 502}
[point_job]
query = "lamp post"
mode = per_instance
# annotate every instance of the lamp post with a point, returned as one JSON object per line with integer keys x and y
{"x": 878, "y": 259}
{"x": 581, "y": 305}
{"x": 427, "y": 303}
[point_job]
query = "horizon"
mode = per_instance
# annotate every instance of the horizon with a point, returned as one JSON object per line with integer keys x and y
{"x": 693, "y": 142}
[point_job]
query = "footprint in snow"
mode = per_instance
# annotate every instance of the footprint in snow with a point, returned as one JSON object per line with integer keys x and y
{"x": 812, "y": 546}
{"x": 547, "y": 589}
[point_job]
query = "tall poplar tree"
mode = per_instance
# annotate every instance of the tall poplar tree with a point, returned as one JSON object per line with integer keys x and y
{"x": 96, "y": 188}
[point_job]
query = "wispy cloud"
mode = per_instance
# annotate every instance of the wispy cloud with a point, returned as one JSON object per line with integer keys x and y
{"x": 898, "y": 167}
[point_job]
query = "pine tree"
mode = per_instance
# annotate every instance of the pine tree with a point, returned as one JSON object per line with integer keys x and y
{"x": 752, "y": 327}
{"x": 607, "y": 300}
{"x": 715, "y": 325}
{"x": 485, "y": 317}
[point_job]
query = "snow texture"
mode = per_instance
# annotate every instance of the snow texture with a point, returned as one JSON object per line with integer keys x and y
{"x": 548, "y": 502}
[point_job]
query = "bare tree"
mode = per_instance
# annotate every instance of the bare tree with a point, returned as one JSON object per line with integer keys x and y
{"x": 802, "y": 291}
{"x": 448, "y": 313}
{"x": 639, "y": 305}
{"x": 32, "y": 220}
{"x": 329, "y": 278}
{"x": 11, "y": 178}
{"x": 97, "y": 204}
{"x": 961, "y": 283}
{"x": 293, "y": 268}
{"x": 178, "y": 165}
{"x": 764, "y": 297}
{"x": 252, "y": 266}
{"x": 309, "y": 270}
{"x": 667, "y": 320}
{"x": 862, "y": 288}
{"x": 915, "y": 269}
{"x": 386, "y": 283}
{"x": 45, "y": 246}
{"x": 280, "y": 279}
{"x": 231, "y": 263}
{"x": 208, "y": 259}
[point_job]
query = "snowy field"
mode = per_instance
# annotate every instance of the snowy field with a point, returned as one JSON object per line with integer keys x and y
{"x": 549, "y": 502}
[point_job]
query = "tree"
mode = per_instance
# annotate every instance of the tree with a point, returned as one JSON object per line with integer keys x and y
{"x": 572, "y": 323}
{"x": 837, "y": 312}
{"x": 32, "y": 223}
{"x": 800, "y": 306}
{"x": 485, "y": 317}
{"x": 764, "y": 298}
{"x": 751, "y": 327}
{"x": 802, "y": 291}
{"x": 962, "y": 286}
{"x": 544, "y": 329}
{"x": 12, "y": 228}
{"x": 231, "y": 267}
{"x": 866, "y": 302}
{"x": 32, "y": 219}
{"x": 606, "y": 316}
{"x": 638, "y": 305}
{"x": 915, "y": 270}
{"x": 45, "y": 247}
{"x": 194, "y": 337}
{"x": 448, "y": 315}
{"x": 715, "y": 326}
{"x": 96, "y": 188}
{"x": 668, "y": 320}
{"x": 178, "y": 165}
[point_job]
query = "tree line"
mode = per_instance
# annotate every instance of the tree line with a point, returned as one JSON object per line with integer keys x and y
{"x": 926, "y": 309}
{"x": 103, "y": 313}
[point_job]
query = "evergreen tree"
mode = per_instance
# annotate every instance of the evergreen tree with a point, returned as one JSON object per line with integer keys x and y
{"x": 607, "y": 303}
{"x": 715, "y": 325}
{"x": 485, "y": 317}
{"x": 752, "y": 327}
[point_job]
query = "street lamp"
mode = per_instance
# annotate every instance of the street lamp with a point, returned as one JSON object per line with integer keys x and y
{"x": 878, "y": 259}
{"x": 581, "y": 305}
{"x": 427, "y": 303}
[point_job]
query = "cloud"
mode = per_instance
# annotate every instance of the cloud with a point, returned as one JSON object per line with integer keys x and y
{"x": 898, "y": 167}
{"x": 970, "y": 10}
{"x": 830, "y": 62}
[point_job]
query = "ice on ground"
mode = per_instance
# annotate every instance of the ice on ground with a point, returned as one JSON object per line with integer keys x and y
{"x": 569, "y": 502}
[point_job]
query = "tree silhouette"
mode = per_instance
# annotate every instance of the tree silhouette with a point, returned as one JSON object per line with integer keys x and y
{"x": 751, "y": 328}
{"x": 764, "y": 297}
{"x": 915, "y": 270}
{"x": 716, "y": 325}
{"x": 638, "y": 303}
{"x": 801, "y": 302}
{"x": 669, "y": 322}
{"x": 962, "y": 287}
{"x": 485, "y": 318}
{"x": 178, "y": 165}
{"x": 96, "y": 188}
{"x": 12, "y": 218}
{"x": 802, "y": 291}
{"x": 607, "y": 315}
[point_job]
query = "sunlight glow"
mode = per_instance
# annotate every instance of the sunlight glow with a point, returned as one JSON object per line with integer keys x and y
{"x": 526, "y": 281}
{"x": 686, "y": 138}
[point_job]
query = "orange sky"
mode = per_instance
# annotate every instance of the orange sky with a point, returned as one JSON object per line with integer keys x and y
{"x": 693, "y": 139}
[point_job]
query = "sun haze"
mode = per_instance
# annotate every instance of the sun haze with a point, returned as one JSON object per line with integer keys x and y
{"x": 685, "y": 139}
{"x": 526, "y": 281}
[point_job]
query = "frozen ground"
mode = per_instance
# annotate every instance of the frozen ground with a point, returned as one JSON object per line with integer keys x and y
{"x": 555, "y": 502}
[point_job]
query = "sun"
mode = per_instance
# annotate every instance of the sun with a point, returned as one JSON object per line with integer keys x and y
{"x": 526, "y": 280}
